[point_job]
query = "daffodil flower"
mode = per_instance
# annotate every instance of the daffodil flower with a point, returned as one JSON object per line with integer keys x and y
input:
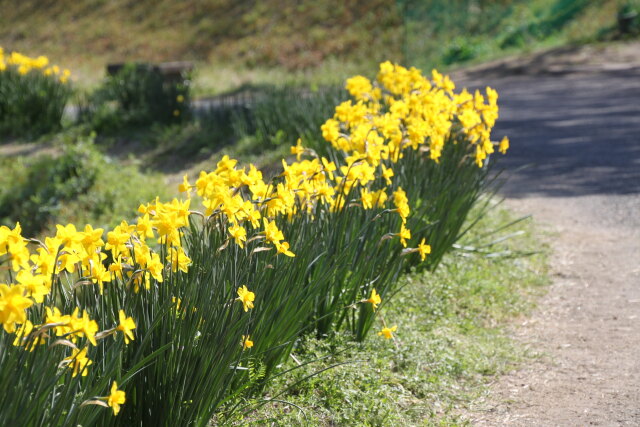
{"x": 423, "y": 249}
{"x": 374, "y": 299}
{"x": 246, "y": 297}
{"x": 127, "y": 325}
{"x": 246, "y": 342}
{"x": 388, "y": 332}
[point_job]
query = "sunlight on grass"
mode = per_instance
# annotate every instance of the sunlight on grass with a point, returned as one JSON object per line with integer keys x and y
{"x": 452, "y": 338}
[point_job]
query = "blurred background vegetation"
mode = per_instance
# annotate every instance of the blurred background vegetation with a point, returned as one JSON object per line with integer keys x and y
{"x": 235, "y": 43}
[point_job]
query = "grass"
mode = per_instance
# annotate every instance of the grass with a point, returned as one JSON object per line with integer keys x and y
{"x": 260, "y": 132}
{"x": 213, "y": 78}
{"x": 466, "y": 31}
{"x": 74, "y": 183}
{"x": 451, "y": 341}
{"x": 253, "y": 33}
{"x": 172, "y": 151}
{"x": 306, "y": 42}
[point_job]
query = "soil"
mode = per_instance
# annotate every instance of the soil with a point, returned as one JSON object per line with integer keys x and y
{"x": 573, "y": 117}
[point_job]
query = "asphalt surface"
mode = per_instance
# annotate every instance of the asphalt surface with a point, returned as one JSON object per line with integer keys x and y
{"x": 571, "y": 134}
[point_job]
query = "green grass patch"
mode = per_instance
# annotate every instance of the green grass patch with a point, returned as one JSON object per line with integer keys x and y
{"x": 451, "y": 341}
{"x": 445, "y": 34}
{"x": 259, "y": 131}
{"x": 77, "y": 185}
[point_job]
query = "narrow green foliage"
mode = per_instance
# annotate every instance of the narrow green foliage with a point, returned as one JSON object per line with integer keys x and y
{"x": 450, "y": 342}
{"x": 278, "y": 116}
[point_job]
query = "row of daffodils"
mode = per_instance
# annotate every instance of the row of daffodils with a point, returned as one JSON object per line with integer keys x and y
{"x": 177, "y": 316}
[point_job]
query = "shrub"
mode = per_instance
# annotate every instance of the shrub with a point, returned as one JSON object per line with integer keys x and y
{"x": 79, "y": 185}
{"x": 137, "y": 95}
{"x": 33, "y": 95}
{"x": 35, "y": 198}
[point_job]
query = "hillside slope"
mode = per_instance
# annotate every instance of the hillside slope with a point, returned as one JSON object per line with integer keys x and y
{"x": 272, "y": 32}
{"x": 236, "y": 38}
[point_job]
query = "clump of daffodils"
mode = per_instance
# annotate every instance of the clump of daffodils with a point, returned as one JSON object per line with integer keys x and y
{"x": 25, "y": 65}
{"x": 400, "y": 110}
{"x": 404, "y": 109}
{"x": 126, "y": 257}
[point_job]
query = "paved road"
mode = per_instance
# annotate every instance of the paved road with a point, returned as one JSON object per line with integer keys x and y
{"x": 575, "y": 165}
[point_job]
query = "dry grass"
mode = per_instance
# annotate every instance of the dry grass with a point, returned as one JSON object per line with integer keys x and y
{"x": 253, "y": 41}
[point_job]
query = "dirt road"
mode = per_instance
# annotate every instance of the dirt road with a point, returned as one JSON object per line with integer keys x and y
{"x": 575, "y": 165}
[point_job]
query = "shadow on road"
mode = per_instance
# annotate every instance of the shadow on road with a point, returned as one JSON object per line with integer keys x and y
{"x": 570, "y": 135}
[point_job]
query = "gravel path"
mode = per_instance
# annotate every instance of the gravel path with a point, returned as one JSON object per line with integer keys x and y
{"x": 575, "y": 165}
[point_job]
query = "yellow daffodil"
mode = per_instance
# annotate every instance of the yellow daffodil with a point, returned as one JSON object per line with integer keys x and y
{"x": 359, "y": 87}
{"x": 504, "y": 145}
{"x": 37, "y": 286}
{"x": 246, "y": 297}
{"x": 126, "y": 326}
{"x": 23, "y": 336}
{"x": 298, "y": 149}
{"x": 283, "y": 248}
{"x": 185, "y": 187}
{"x": 423, "y": 249}
{"x": 115, "y": 398}
{"x": 387, "y": 173}
{"x": 239, "y": 234}
{"x": 83, "y": 326}
{"x": 246, "y": 342}
{"x": 404, "y": 234}
{"x": 13, "y": 305}
{"x": 78, "y": 362}
{"x": 374, "y": 299}
{"x": 179, "y": 260}
{"x": 388, "y": 332}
